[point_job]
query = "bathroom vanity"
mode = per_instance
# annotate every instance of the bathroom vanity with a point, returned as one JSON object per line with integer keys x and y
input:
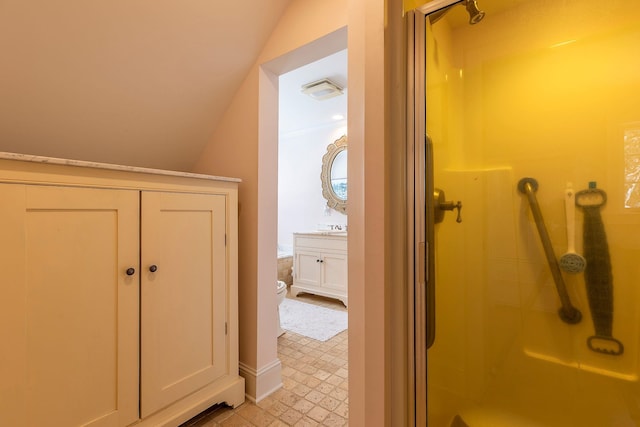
{"x": 118, "y": 303}
{"x": 320, "y": 264}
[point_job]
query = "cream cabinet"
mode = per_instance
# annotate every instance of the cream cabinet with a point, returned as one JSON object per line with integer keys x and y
{"x": 320, "y": 264}
{"x": 118, "y": 303}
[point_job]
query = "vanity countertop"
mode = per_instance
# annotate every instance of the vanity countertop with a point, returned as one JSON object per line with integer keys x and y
{"x": 109, "y": 166}
{"x": 323, "y": 233}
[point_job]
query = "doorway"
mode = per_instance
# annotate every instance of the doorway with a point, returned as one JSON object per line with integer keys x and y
{"x": 268, "y": 377}
{"x": 314, "y": 367}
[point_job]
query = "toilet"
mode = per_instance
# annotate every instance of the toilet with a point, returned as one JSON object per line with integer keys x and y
{"x": 282, "y": 293}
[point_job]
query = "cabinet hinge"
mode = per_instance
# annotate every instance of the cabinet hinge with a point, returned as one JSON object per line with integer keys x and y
{"x": 225, "y": 328}
{"x": 225, "y": 240}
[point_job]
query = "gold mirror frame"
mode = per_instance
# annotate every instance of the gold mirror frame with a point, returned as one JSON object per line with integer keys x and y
{"x": 333, "y": 201}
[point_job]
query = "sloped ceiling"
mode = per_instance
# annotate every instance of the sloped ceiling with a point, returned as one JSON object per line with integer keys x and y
{"x": 136, "y": 82}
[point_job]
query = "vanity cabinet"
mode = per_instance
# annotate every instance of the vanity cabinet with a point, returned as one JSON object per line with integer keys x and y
{"x": 320, "y": 265}
{"x": 118, "y": 303}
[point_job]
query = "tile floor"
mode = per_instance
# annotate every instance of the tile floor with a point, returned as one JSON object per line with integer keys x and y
{"x": 314, "y": 392}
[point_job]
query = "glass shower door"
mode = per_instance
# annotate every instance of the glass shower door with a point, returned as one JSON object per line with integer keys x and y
{"x": 534, "y": 117}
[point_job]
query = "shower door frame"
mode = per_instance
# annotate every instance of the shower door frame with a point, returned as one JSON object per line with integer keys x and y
{"x": 420, "y": 221}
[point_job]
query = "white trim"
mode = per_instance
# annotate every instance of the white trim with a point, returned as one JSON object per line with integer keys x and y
{"x": 261, "y": 383}
{"x": 435, "y": 5}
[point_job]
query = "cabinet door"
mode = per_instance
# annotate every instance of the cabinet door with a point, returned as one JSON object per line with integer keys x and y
{"x": 68, "y": 311}
{"x": 334, "y": 271}
{"x": 307, "y": 267}
{"x": 184, "y": 301}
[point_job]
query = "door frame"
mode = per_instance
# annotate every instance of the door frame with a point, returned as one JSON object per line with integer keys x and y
{"x": 267, "y": 377}
{"x": 420, "y": 221}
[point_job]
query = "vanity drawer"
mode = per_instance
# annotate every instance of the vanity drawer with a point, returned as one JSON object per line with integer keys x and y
{"x": 335, "y": 243}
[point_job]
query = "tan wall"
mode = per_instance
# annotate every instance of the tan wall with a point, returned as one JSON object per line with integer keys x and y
{"x": 377, "y": 216}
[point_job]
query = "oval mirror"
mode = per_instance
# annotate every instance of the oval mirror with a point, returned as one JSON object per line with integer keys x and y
{"x": 334, "y": 175}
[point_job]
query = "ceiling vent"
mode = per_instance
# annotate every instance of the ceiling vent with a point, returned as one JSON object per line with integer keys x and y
{"x": 322, "y": 89}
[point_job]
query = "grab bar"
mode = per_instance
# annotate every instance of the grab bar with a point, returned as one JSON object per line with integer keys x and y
{"x": 568, "y": 313}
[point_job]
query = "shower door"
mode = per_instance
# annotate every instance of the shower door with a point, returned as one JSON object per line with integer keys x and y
{"x": 530, "y": 118}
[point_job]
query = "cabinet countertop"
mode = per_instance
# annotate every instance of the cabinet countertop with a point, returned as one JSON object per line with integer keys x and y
{"x": 109, "y": 166}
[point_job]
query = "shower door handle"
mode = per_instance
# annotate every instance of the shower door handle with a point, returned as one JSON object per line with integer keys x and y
{"x": 440, "y": 206}
{"x": 426, "y": 253}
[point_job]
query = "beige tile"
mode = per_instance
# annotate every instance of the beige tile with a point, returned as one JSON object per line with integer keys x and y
{"x": 303, "y": 406}
{"x": 325, "y": 388}
{"x": 326, "y": 357}
{"x": 285, "y": 351}
{"x": 289, "y": 399}
{"x": 277, "y": 409}
{"x": 278, "y": 423}
{"x": 301, "y": 390}
{"x": 342, "y": 373}
{"x": 287, "y": 371}
{"x": 312, "y": 382}
{"x": 291, "y": 416}
{"x": 315, "y": 386}
{"x": 342, "y": 410}
{"x": 289, "y": 384}
{"x": 329, "y": 403}
{"x": 335, "y": 380}
{"x": 236, "y": 421}
{"x": 318, "y": 414}
{"x": 308, "y": 369}
{"x": 277, "y": 395}
{"x": 314, "y": 396}
{"x": 334, "y": 420}
{"x": 255, "y": 415}
{"x": 308, "y": 358}
{"x": 299, "y": 376}
{"x": 339, "y": 394}
{"x": 322, "y": 375}
{"x": 335, "y": 351}
{"x": 306, "y": 422}
{"x": 267, "y": 402}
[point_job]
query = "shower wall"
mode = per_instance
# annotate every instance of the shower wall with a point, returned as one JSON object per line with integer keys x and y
{"x": 547, "y": 90}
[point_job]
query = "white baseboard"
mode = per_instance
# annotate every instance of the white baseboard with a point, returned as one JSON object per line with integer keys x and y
{"x": 261, "y": 383}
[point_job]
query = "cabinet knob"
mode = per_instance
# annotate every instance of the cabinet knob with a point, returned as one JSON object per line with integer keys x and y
{"x": 153, "y": 268}
{"x": 131, "y": 271}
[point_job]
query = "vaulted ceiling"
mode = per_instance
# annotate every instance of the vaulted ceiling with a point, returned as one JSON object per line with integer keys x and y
{"x": 138, "y": 82}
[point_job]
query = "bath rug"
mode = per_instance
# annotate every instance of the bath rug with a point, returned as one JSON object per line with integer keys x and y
{"x": 312, "y": 321}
